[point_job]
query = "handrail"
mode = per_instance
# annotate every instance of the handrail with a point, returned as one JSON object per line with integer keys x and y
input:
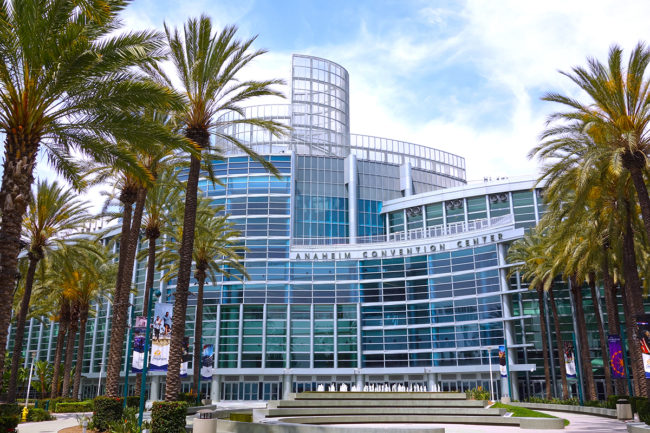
{"x": 436, "y": 231}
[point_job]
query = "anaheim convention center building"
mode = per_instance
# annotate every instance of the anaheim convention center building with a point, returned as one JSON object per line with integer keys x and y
{"x": 371, "y": 261}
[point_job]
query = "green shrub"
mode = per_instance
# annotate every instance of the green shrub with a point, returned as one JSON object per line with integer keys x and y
{"x": 107, "y": 411}
{"x": 478, "y": 394}
{"x": 168, "y": 416}
{"x": 78, "y": 406}
{"x": 10, "y": 409}
{"x": 643, "y": 409}
{"x": 128, "y": 423}
{"x": 37, "y": 414}
{"x": 50, "y": 404}
{"x": 133, "y": 401}
{"x": 241, "y": 417}
{"x": 188, "y": 397}
{"x": 8, "y": 423}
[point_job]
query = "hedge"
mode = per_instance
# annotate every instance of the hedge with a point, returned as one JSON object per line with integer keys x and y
{"x": 643, "y": 409}
{"x": 36, "y": 414}
{"x": 168, "y": 416}
{"x": 107, "y": 411}
{"x": 133, "y": 401}
{"x": 50, "y": 404}
{"x": 79, "y": 406}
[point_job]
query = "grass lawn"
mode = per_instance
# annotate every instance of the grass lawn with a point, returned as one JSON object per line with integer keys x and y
{"x": 524, "y": 413}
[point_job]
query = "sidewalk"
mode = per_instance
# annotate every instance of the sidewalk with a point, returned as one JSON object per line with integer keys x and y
{"x": 63, "y": 420}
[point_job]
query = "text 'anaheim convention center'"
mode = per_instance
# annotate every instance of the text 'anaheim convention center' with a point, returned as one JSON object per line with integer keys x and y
{"x": 371, "y": 261}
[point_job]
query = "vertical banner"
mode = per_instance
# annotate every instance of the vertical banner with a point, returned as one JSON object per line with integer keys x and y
{"x": 207, "y": 361}
{"x": 186, "y": 356}
{"x": 162, "y": 334}
{"x": 502, "y": 361}
{"x": 616, "y": 362}
{"x": 139, "y": 332}
{"x": 643, "y": 322}
{"x": 569, "y": 360}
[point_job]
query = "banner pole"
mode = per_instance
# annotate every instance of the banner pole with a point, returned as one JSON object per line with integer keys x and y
{"x": 147, "y": 336}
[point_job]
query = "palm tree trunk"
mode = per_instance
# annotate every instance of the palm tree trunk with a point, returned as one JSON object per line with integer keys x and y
{"x": 634, "y": 301}
{"x": 631, "y": 342}
{"x": 148, "y": 285}
{"x": 69, "y": 350}
{"x": 636, "y": 169}
{"x": 198, "y": 332}
{"x": 60, "y": 341}
{"x": 83, "y": 319}
{"x": 17, "y": 179}
{"x": 173, "y": 383}
{"x": 542, "y": 321}
{"x": 609, "y": 389}
{"x": 20, "y": 326}
{"x": 611, "y": 305}
{"x": 120, "y": 299}
{"x": 560, "y": 344}
{"x": 587, "y": 368}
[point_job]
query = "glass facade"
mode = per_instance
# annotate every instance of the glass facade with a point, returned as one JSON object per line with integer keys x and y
{"x": 364, "y": 265}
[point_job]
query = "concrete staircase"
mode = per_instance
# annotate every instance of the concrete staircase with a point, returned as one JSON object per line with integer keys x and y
{"x": 381, "y": 407}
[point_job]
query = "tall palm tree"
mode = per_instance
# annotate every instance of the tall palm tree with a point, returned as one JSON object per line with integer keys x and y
{"x": 53, "y": 214}
{"x": 523, "y": 253}
{"x": 166, "y": 190}
{"x": 68, "y": 85}
{"x": 207, "y": 65}
{"x": 617, "y": 114}
{"x": 215, "y": 252}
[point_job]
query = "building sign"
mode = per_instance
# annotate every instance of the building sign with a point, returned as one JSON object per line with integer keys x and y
{"x": 397, "y": 251}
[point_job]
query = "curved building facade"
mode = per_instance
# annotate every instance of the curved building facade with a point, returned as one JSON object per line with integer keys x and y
{"x": 370, "y": 261}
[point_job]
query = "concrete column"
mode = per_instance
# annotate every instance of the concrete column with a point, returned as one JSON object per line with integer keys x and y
{"x": 350, "y": 179}
{"x": 405, "y": 179}
{"x": 287, "y": 381}
{"x": 506, "y": 306}
{"x": 50, "y": 352}
{"x": 336, "y": 337}
{"x": 359, "y": 347}
{"x": 154, "y": 391}
{"x": 311, "y": 336}
{"x": 241, "y": 334}
{"x": 431, "y": 382}
{"x": 215, "y": 389}
{"x": 264, "y": 313}
{"x": 358, "y": 378}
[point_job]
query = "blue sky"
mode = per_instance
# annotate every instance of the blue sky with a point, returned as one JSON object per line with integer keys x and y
{"x": 462, "y": 76}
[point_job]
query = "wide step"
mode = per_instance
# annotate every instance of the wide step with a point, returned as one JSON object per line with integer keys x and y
{"x": 402, "y": 419}
{"x": 378, "y": 396}
{"x": 378, "y": 403}
{"x": 328, "y": 411}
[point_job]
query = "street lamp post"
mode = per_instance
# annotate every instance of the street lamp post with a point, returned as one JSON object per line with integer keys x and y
{"x": 29, "y": 382}
{"x": 489, "y": 349}
{"x": 99, "y": 385}
{"x": 145, "y": 365}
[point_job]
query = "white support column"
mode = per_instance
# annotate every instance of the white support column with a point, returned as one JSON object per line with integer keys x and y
{"x": 336, "y": 338}
{"x": 506, "y": 305}
{"x": 350, "y": 179}
{"x": 359, "y": 347}
{"x": 406, "y": 179}
{"x": 241, "y": 334}
{"x": 311, "y": 336}
{"x": 94, "y": 341}
{"x": 358, "y": 379}
{"x": 264, "y": 314}
{"x": 286, "y": 383}
{"x": 215, "y": 389}
{"x": 49, "y": 343}
{"x": 154, "y": 389}
{"x": 287, "y": 361}
{"x": 40, "y": 340}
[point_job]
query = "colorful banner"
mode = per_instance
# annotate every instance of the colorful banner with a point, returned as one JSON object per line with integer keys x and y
{"x": 162, "y": 334}
{"x": 569, "y": 360}
{"x": 616, "y": 362}
{"x": 137, "y": 361}
{"x": 503, "y": 368}
{"x": 186, "y": 356}
{"x": 207, "y": 361}
{"x": 643, "y": 322}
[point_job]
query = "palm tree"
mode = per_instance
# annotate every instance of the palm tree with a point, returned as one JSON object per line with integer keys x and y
{"x": 52, "y": 215}
{"x": 215, "y": 252}
{"x": 207, "y": 65}
{"x": 43, "y": 371}
{"x": 523, "y": 251}
{"x": 165, "y": 190}
{"x": 68, "y": 85}
{"x": 617, "y": 114}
